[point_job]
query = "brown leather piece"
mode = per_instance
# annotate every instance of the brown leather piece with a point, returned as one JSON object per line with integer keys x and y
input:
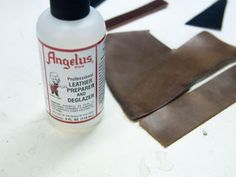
{"x": 128, "y": 56}
{"x": 162, "y": 81}
{"x": 181, "y": 116}
{"x": 135, "y": 14}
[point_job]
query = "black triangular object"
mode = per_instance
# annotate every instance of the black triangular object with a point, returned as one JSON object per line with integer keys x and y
{"x": 95, "y": 3}
{"x": 212, "y": 17}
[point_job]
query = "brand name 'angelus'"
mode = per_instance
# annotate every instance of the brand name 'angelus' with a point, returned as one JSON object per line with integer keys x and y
{"x": 68, "y": 63}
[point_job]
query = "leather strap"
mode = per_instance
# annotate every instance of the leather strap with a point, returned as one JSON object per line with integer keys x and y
{"x": 135, "y": 14}
{"x": 189, "y": 111}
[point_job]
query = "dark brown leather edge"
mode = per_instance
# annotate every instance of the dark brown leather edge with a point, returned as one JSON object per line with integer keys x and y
{"x": 135, "y": 14}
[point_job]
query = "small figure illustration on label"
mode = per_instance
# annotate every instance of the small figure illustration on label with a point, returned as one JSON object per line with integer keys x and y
{"x": 54, "y": 84}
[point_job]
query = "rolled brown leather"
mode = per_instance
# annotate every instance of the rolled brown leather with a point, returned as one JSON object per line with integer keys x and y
{"x": 181, "y": 116}
{"x": 163, "y": 75}
{"x": 128, "y": 56}
{"x": 135, "y": 14}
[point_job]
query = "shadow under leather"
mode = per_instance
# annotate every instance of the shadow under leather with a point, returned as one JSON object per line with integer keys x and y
{"x": 37, "y": 148}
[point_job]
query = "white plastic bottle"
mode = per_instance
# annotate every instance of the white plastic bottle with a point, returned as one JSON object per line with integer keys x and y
{"x": 71, "y": 38}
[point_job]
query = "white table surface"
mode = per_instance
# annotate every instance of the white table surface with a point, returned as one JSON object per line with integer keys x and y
{"x": 31, "y": 147}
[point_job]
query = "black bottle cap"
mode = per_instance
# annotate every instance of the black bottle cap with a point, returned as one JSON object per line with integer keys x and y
{"x": 69, "y": 9}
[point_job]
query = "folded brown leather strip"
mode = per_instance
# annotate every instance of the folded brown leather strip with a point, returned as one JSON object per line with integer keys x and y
{"x": 135, "y": 14}
{"x": 171, "y": 75}
{"x": 189, "y": 111}
{"x": 128, "y": 56}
